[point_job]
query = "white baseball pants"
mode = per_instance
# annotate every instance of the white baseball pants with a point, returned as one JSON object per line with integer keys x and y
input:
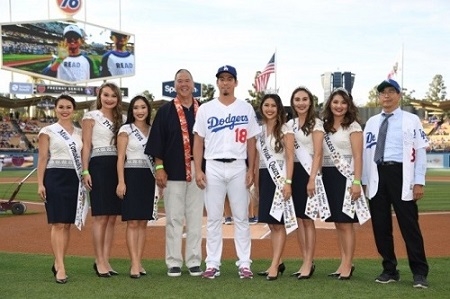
{"x": 221, "y": 179}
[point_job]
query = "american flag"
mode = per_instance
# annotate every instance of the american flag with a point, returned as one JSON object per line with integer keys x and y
{"x": 263, "y": 77}
{"x": 397, "y": 67}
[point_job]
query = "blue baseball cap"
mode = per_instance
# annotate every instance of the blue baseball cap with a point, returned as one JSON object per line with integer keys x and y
{"x": 227, "y": 69}
{"x": 389, "y": 83}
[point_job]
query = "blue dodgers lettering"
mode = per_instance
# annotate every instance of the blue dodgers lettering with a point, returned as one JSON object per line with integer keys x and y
{"x": 422, "y": 134}
{"x": 370, "y": 140}
{"x": 216, "y": 124}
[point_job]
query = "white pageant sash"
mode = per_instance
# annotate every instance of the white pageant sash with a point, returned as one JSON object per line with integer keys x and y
{"x": 349, "y": 207}
{"x": 137, "y": 134}
{"x": 98, "y": 115}
{"x": 280, "y": 207}
{"x": 82, "y": 206}
{"x": 316, "y": 205}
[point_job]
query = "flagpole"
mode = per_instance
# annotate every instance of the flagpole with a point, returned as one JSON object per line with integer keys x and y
{"x": 276, "y": 70}
{"x": 403, "y": 70}
{"x": 403, "y": 65}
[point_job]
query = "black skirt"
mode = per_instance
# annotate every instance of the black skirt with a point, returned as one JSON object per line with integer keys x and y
{"x": 104, "y": 201}
{"x": 266, "y": 192}
{"x": 61, "y": 186}
{"x": 300, "y": 180}
{"x": 335, "y": 183}
{"x": 139, "y": 197}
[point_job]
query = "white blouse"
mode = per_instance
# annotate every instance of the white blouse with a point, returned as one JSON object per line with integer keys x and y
{"x": 341, "y": 142}
{"x": 101, "y": 135}
{"x": 270, "y": 143}
{"x": 136, "y": 158}
{"x": 60, "y": 155}
{"x": 305, "y": 141}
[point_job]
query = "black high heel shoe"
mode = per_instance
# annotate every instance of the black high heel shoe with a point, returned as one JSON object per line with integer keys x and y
{"x": 54, "y": 271}
{"x": 311, "y": 272}
{"x": 270, "y": 278}
{"x": 334, "y": 274}
{"x": 349, "y": 276}
{"x": 337, "y": 274}
{"x": 104, "y": 275}
{"x": 281, "y": 269}
{"x": 61, "y": 281}
{"x": 113, "y": 272}
{"x": 57, "y": 280}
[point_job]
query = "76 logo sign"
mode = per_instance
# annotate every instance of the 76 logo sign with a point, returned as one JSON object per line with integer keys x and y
{"x": 69, "y": 7}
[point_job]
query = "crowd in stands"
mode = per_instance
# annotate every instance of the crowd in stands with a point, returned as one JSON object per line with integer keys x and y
{"x": 13, "y": 139}
{"x": 6, "y": 134}
{"x": 438, "y": 131}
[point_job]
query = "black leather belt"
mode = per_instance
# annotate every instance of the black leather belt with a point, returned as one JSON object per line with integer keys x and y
{"x": 384, "y": 163}
{"x": 225, "y": 160}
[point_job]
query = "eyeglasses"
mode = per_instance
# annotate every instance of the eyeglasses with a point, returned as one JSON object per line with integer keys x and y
{"x": 388, "y": 92}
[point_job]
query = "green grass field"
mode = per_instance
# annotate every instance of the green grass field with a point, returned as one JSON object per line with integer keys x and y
{"x": 29, "y": 276}
{"x": 435, "y": 199}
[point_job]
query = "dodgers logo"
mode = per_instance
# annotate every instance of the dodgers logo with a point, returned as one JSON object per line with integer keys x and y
{"x": 216, "y": 124}
{"x": 423, "y": 135}
{"x": 370, "y": 140}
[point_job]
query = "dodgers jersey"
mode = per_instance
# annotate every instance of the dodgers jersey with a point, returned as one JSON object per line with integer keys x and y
{"x": 225, "y": 129}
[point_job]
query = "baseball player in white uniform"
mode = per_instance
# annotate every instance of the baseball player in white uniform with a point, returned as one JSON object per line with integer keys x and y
{"x": 225, "y": 131}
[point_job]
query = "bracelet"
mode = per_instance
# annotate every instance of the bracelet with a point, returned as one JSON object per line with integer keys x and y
{"x": 159, "y": 167}
{"x": 288, "y": 182}
{"x": 356, "y": 182}
{"x": 85, "y": 172}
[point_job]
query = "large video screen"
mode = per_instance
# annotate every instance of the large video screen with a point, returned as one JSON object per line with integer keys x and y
{"x": 67, "y": 51}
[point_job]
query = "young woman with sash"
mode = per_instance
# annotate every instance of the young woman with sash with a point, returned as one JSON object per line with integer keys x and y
{"x": 309, "y": 198}
{"x": 59, "y": 176}
{"x": 342, "y": 151}
{"x": 275, "y": 146}
{"x": 99, "y": 157}
{"x": 136, "y": 185}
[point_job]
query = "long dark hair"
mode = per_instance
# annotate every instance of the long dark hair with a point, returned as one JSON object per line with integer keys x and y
{"x": 130, "y": 116}
{"x": 117, "y": 111}
{"x": 310, "y": 120}
{"x": 280, "y": 120}
{"x": 350, "y": 116}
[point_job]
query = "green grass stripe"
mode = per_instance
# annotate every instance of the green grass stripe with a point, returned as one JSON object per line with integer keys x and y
{"x": 29, "y": 276}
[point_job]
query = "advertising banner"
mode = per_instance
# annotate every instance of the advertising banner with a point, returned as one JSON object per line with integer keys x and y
{"x": 435, "y": 160}
{"x": 20, "y": 88}
{"x": 73, "y": 90}
{"x": 17, "y": 161}
{"x": 168, "y": 89}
